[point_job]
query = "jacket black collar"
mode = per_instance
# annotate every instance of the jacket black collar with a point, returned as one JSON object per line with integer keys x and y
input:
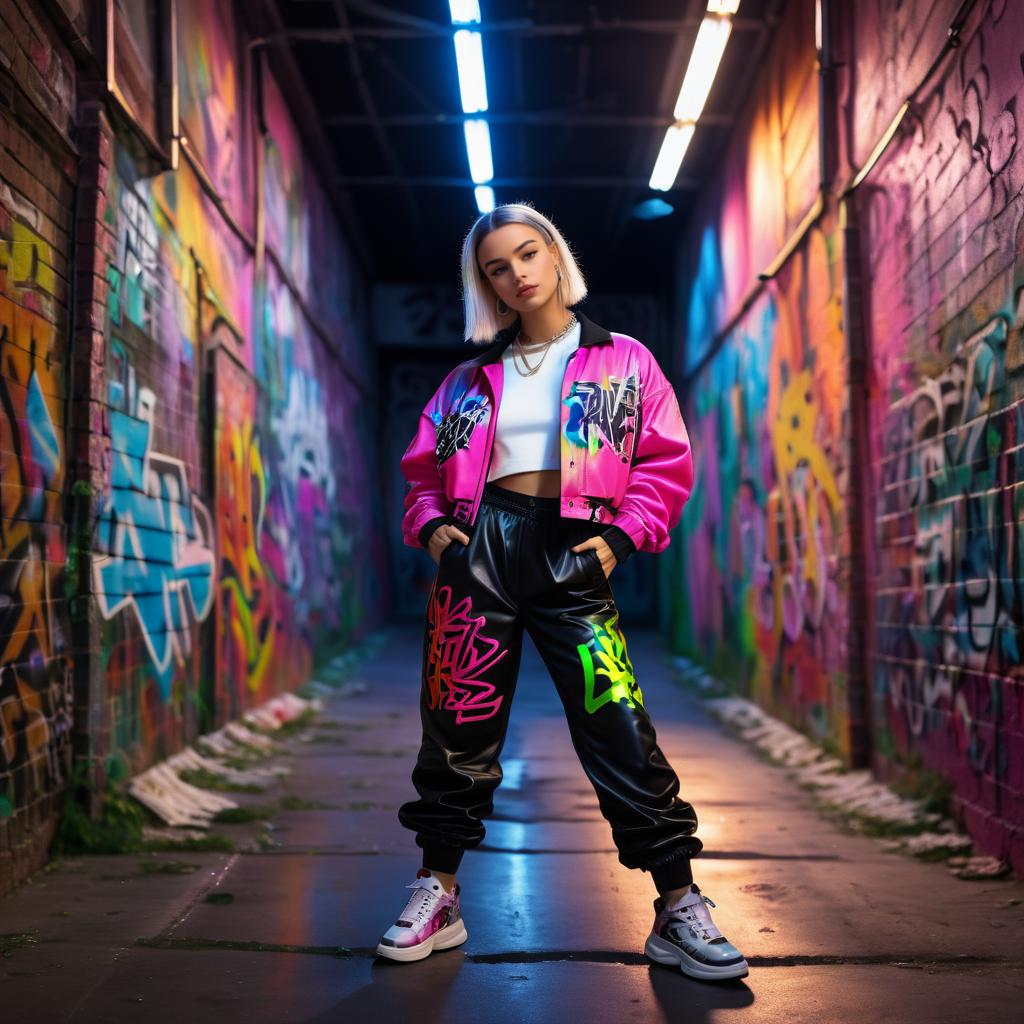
{"x": 590, "y": 334}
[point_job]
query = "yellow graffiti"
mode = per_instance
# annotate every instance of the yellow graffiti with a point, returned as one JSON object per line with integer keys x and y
{"x": 795, "y": 436}
{"x": 26, "y": 268}
{"x": 31, "y": 536}
{"x": 804, "y": 479}
{"x": 32, "y": 470}
{"x": 245, "y": 587}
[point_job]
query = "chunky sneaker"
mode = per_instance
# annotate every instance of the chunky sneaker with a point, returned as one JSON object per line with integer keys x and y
{"x": 432, "y": 919}
{"x": 684, "y": 934}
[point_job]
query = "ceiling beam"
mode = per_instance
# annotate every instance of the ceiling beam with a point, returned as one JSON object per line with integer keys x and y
{"x": 541, "y": 118}
{"x": 553, "y": 181}
{"x": 380, "y": 133}
{"x": 516, "y": 27}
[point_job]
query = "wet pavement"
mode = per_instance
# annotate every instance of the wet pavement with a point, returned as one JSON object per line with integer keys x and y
{"x": 835, "y": 928}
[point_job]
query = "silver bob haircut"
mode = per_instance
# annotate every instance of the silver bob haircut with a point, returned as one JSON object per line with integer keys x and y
{"x": 482, "y": 321}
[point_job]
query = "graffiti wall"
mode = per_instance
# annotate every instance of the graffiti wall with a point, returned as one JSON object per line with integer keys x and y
{"x": 765, "y": 596}
{"x": 223, "y": 563}
{"x": 227, "y": 529}
{"x": 943, "y": 238}
{"x": 154, "y": 544}
{"x": 36, "y": 661}
{"x": 762, "y": 557}
{"x": 894, "y": 328}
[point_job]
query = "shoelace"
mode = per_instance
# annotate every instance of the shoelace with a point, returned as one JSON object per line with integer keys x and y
{"x": 697, "y": 916}
{"x": 419, "y": 903}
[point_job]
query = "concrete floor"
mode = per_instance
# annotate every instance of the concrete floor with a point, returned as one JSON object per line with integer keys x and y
{"x": 835, "y": 928}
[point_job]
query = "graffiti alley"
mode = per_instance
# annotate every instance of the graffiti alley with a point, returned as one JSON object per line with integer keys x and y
{"x": 251, "y": 362}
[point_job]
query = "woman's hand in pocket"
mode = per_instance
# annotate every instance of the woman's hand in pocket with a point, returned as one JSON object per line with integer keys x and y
{"x": 604, "y": 553}
{"x": 442, "y": 537}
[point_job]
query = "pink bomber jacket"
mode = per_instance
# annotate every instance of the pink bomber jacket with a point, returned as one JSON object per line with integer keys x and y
{"x": 625, "y": 454}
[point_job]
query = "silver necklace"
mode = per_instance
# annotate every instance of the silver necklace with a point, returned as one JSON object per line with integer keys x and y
{"x": 518, "y": 349}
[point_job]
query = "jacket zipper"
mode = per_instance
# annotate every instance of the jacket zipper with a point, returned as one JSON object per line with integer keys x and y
{"x": 492, "y": 426}
{"x": 561, "y": 402}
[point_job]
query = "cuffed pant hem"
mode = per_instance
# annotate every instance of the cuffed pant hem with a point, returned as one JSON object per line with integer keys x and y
{"x": 442, "y": 858}
{"x": 672, "y": 875}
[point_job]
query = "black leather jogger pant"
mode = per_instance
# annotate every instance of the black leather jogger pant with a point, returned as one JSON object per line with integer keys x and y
{"x": 518, "y": 571}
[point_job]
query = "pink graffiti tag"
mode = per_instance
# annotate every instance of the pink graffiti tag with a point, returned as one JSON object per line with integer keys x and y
{"x": 457, "y": 656}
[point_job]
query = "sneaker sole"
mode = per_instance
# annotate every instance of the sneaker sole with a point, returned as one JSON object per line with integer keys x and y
{"x": 449, "y": 936}
{"x": 664, "y": 952}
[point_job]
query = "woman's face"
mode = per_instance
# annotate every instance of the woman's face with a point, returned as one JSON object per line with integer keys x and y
{"x": 514, "y": 257}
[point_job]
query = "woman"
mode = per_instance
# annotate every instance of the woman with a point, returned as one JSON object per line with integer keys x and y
{"x": 537, "y": 467}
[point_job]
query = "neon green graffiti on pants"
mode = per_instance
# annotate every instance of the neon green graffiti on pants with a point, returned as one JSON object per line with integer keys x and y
{"x": 613, "y": 663}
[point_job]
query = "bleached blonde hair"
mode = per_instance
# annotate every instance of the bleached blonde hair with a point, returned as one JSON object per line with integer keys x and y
{"x": 482, "y": 321}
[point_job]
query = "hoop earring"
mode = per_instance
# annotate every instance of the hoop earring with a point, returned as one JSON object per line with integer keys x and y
{"x": 498, "y": 303}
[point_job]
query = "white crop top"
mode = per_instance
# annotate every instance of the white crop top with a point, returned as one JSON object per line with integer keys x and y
{"x": 527, "y": 435}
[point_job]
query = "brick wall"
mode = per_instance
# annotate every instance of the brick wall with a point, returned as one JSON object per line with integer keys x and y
{"x": 37, "y": 173}
{"x": 857, "y": 419}
{"x": 942, "y": 218}
{"x": 189, "y": 521}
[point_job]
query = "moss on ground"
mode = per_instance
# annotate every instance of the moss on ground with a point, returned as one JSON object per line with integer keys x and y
{"x": 117, "y": 829}
{"x": 192, "y": 844}
{"x": 244, "y": 815}
{"x": 167, "y": 867}
{"x": 11, "y": 941}
{"x": 300, "y": 803}
{"x": 206, "y": 779}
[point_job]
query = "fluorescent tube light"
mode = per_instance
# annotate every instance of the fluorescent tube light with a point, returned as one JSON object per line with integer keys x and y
{"x": 722, "y": 6}
{"x": 469, "y": 58}
{"x": 478, "y": 148}
{"x": 673, "y": 148}
{"x": 708, "y": 47}
{"x": 465, "y": 11}
{"x": 484, "y": 198}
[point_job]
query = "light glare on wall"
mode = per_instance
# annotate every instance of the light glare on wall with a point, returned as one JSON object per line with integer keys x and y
{"x": 478, "y": 148}
{"x": 673, "y": 149}
{"x": 469, "y": 59}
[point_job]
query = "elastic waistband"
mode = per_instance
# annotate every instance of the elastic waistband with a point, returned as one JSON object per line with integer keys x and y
{"x": 523, "y": 504}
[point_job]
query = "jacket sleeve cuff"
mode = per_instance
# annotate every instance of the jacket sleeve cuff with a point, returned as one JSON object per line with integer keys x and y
{"x": 619, "y": 541}
{"x": 633, "y": 527}
{"x": 429, "y": 527}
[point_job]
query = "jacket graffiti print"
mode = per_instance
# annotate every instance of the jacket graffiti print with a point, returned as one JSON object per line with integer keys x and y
{"x": 625, "y": 454}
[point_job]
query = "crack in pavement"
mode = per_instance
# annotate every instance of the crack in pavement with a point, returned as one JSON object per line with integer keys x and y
{"x": 704, "y": 854}
{"x": 302, "y": 851}
{"x": 597, "y": 956}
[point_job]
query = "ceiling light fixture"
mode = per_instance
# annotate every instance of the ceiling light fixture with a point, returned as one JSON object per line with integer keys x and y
{"x": 708, "y": 48}
{"x": 464, "y": 12}
{"x": 484, "y": 198}
{"x": 469, "y": 61}
{"x": 478, "y": 148}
